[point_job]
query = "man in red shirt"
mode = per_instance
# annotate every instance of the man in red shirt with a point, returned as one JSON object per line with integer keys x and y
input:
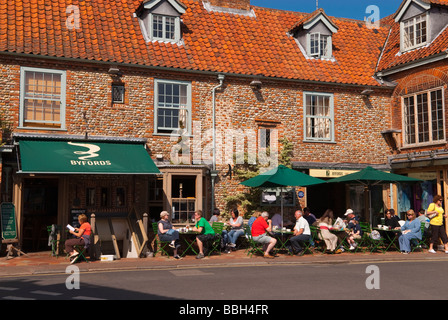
{"x": 260, "y": 227}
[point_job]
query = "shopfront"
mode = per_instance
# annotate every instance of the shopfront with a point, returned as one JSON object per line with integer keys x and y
{"x": 55, "y": 178}
{"x": 341, "y": 196}
{"x": 429, "y": 166}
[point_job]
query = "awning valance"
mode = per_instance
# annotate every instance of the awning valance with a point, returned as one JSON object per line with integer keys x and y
{"x": 84, "y": 157}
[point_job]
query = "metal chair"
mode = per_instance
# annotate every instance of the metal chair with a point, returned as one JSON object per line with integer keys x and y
{"x": 418, "y": 244}
{"x": 54, "y": 239}
{"x": 253, "y": 247}
{"x": 215, "y": 244}
{"x": 318, "y": 239}
{"x": 81, "y": 253}
{"x": 371, "y": 243}
{"x": 159, "y": 244}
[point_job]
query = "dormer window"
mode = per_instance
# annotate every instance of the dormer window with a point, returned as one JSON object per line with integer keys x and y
{"x": 416, "y": 29}
{"x": 163, "y": 27}
{"x": 160, "y": 20}
{"x": 314, "y": 33}
{"x": 414, "y": 32}
{"x": 319, "y": 45}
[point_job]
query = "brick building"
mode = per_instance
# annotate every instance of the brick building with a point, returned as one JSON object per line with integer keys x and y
{"x": 415, "y": 58}
{"x": 194, "y": 84}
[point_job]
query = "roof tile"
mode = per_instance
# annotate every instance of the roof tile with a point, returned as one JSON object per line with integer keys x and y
{"x": 213, "y": 41}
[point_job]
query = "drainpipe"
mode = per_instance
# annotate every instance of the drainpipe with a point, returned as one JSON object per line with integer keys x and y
{"x": 214, "y": 173}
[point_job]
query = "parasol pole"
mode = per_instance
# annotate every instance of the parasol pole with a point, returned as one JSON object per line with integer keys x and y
{"x": 281, "y": 202}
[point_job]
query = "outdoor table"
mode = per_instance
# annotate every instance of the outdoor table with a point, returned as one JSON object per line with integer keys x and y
{"x": 189, "y": 238}
{"x": 342, "y": 236}
{"x": 282, "y": 239}
{"x": 391, "y": 236}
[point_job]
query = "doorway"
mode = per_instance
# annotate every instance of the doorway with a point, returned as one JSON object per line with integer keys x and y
{"x": 40, "y": 210}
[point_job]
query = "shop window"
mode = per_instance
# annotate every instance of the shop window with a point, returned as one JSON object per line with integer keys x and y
{"x": 183, "y": 198}
{"x": 90, "y": 197}
{"x": 273, "y": 197}
{"x": 120, "y": 197}
{"x": 105, "y": 197}
{"x": 155, "y": 190}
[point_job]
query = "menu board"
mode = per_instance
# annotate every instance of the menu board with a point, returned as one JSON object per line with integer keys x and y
{"x": 8, "y": 222}
{"x": 74, "y": 213}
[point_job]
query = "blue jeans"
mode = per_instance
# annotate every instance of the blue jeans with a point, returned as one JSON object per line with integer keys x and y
{"x": 405, "y": 241}
{"x": 232, "y": 235}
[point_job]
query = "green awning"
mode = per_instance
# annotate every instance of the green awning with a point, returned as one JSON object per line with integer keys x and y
{"x": 84, "y": 157}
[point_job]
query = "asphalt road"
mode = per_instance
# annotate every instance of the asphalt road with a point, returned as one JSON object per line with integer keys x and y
{"x": 383, "y": 281}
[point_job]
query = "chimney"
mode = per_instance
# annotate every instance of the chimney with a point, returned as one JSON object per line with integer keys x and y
{"x": 232, "y": 4}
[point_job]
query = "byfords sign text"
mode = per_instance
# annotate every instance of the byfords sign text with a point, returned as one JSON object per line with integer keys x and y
{"x": 84, "y": 155}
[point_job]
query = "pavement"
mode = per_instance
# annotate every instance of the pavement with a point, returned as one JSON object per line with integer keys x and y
{"x": 39, "y": 263}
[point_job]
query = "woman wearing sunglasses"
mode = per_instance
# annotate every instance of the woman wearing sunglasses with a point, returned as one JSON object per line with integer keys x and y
{"x": 410, "y": 230}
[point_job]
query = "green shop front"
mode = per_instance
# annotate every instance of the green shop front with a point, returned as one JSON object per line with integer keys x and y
{"x": 56, "y": 178}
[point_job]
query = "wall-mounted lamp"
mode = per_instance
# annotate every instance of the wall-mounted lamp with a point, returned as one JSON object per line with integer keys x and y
{"x": 367, "y": 92}
{"x": 114, "y": 71}
{"x": 256, "y": 84}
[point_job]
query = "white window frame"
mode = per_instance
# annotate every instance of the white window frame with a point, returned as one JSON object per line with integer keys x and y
{"x": 165, "y": 19}
{"x": 158, "y": 105}
{"x": 308, "y": 117}
{"x": 62, "y": 99}
{"x": 319, "y": 53}
{"x": 413, "y": 23}
{"x": 415, "y": 119}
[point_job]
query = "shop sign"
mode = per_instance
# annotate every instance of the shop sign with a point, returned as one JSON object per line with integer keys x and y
{"x": 325, "y": 173}
{"x": 426, "y": 176}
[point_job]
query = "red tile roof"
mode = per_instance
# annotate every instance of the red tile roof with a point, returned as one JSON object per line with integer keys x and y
{"x": 212, "y": 41}
{"x": 392, "y": 57}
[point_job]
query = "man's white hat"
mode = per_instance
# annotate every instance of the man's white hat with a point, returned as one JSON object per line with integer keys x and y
{"x": 349, "y": 211}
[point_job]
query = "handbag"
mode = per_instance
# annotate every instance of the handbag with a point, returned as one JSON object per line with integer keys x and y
{"x": 433, "y": 215}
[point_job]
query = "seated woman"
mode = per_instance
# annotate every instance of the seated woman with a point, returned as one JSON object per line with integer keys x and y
{"x": 392, "y": 219}
{"x": 82, "y": 235}
{"x": 166, "y": 232}
{"x": 325, "y": 223}
{"x": 236, "y": 223}
{"x": 410, "y": 230}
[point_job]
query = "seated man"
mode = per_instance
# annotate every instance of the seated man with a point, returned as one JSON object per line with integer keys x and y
{"x": 260, "y": 227}
{"x": 302, "y": 232}
{"x": 206, "y": 232}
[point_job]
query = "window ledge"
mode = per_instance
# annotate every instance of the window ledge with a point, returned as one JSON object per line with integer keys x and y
{"x": 318, "y": 141}
{"x": 43, "y": 129}
{"x": 427, "y": 144}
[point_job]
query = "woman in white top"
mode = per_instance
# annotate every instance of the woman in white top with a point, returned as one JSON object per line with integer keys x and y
{"x": 236, "y": 222}
{"x": 325, "y": 223}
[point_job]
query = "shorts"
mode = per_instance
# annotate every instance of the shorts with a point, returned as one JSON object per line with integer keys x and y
{"x": 205, "y": 237}
{"x": 263, "y": 238}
